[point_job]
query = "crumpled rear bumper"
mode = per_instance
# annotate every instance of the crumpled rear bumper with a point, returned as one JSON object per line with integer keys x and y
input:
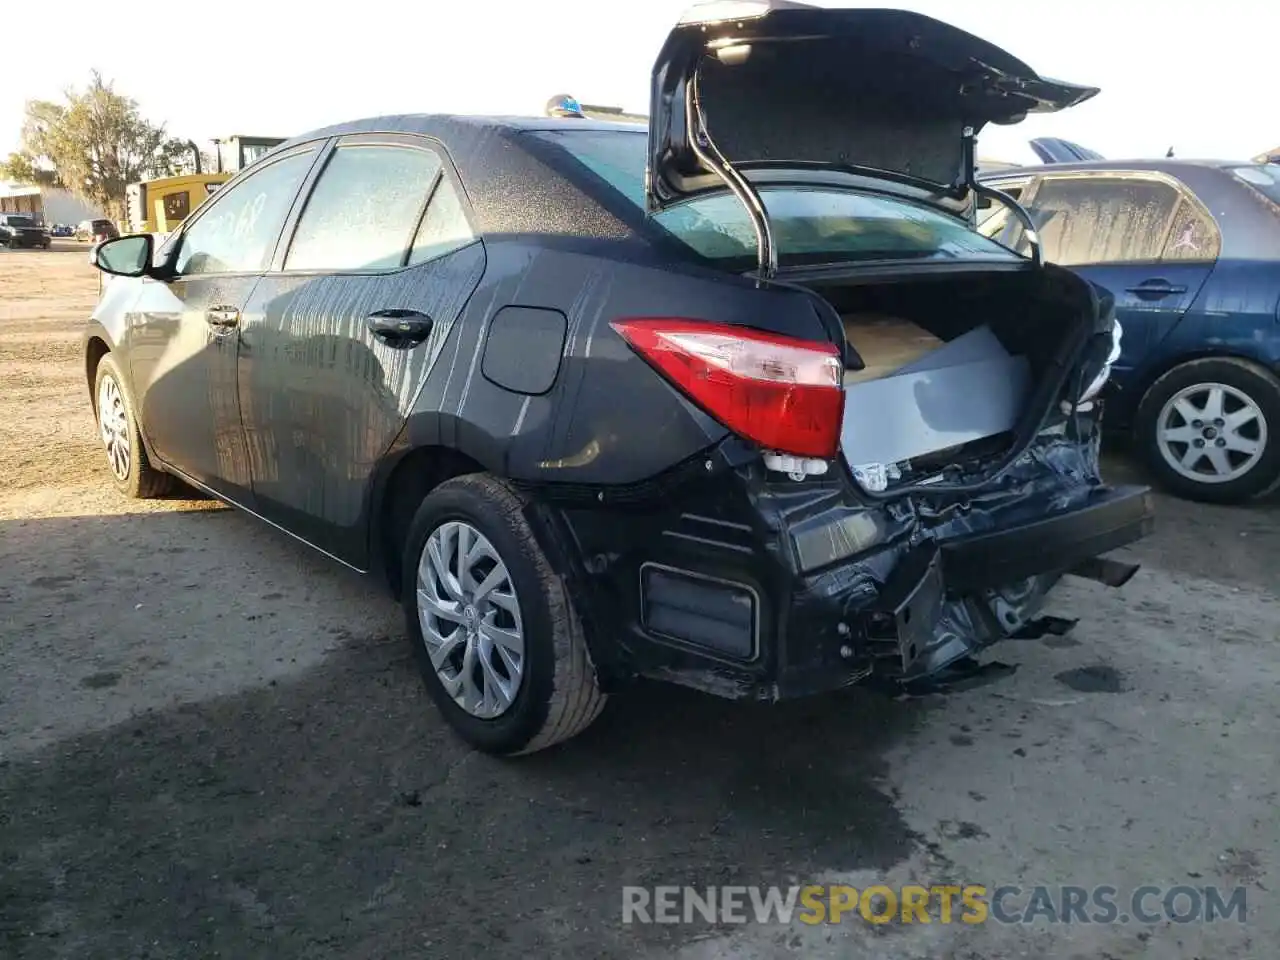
{"x": 947, "y": 599}
{"x": 750, "y": 586}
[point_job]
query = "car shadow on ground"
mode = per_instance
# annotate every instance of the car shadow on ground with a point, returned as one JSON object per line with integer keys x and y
{"x": 330, "y": 813}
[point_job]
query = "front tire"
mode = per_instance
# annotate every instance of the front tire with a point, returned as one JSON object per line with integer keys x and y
{"x": 500, "y": 647}
{"x": 132, "y": 472}
{"x": 1210, "y": 430}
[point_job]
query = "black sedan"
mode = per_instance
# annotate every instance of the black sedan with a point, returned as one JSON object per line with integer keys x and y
{"x": 760, "y": 426}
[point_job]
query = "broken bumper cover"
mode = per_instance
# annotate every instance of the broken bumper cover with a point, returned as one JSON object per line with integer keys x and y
{"x": 740, "y": 583}
{"x": 1059, "y": 542}
{"x": 948, "y": 599}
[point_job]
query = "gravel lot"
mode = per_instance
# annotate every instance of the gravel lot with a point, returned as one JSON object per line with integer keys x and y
{"x": 213, "y": 743}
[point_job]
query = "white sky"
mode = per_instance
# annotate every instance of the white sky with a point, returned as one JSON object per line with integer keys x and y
{"x": 1196, "y": 75}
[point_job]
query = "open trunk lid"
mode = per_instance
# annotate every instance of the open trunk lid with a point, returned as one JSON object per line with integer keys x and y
{"x": 772, "y": 84}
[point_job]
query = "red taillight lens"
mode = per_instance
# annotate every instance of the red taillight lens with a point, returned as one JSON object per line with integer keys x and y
{"x": 780, "y": 392}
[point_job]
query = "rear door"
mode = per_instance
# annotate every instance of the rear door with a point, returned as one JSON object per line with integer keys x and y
{"x": 1143, "y": 236}
{"x": 183, "y": 335}
{"x": 337, "y": 340}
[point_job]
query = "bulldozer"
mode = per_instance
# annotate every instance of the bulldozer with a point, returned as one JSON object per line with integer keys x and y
{"x": 159, "y": 205}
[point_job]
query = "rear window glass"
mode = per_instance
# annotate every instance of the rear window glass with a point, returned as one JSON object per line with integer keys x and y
{"x": 1263, "y": 177}
{"x": 810, "y": 224}
{"x": 19, "y": 221}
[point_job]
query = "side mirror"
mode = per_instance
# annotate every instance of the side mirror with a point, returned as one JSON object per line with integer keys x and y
{"x": 124, "y": 256}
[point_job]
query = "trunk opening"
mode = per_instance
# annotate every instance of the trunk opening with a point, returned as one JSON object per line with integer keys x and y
{"x": 958, "y": 373}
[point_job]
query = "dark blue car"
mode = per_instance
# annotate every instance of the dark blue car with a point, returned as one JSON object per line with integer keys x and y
{"x": 1191, "y": 252}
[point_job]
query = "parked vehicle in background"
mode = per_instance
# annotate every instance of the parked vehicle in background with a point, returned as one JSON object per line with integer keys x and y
{"x": 19, "y": 230}
{"x": 61, "y": 231}
{"x": 96, "y": 231}
{"x": 159, "y": 205}
{"x": 1191, "y": 252}
{"x": 764, "y": 429}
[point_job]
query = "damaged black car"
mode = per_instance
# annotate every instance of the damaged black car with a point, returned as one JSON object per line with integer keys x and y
{"x": 744, "y": 402}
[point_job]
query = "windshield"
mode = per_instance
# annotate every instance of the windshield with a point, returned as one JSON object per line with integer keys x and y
{"x": 1263, "y": 177}
{"x": 20, "y": 221}
{"x": 810, "y": 224}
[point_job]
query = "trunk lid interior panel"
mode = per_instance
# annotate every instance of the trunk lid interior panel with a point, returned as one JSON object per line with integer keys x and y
{"x": 782, "y": 83}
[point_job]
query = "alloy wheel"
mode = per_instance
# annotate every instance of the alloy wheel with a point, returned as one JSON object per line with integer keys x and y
{"x": 470, "y": 618}
{"x": 113, "y": 424}
{"x": 1211, "y": 433}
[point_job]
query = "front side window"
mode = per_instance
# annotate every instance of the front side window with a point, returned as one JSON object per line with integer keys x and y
{"x": 993, "y": 218}
{"x": 810, "y": 224}
{"x": 1084, "y": 220}
{"x": 238, "y": 229}
{"x": 364, "y": 209}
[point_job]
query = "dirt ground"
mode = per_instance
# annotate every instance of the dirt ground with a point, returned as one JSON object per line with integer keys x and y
{"x": 213, "y": 743}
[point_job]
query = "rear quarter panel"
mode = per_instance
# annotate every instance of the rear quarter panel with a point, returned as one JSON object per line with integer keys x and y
{"x": 608, "y": 418}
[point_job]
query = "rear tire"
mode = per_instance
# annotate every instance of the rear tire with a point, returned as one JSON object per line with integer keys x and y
{"x": 1210, "y": 430}
{"x": 501, "y": 696}
{"x": 132, "y": 472}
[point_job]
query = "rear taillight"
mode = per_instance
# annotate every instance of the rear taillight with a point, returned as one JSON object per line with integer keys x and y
{"x": 780, "y": 392}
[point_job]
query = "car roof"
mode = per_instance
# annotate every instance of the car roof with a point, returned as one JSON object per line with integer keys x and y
{"x": 511, "y": 191}
{"x": 445, "y": 124}
{"x": 1163, "y": 164}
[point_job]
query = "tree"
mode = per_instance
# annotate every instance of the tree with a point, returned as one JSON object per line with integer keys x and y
{"x": 23, "y": 168}
{"x": 95, "y": 144}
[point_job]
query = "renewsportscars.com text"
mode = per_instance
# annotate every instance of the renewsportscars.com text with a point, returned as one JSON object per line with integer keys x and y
{"x": 938, "y": 903}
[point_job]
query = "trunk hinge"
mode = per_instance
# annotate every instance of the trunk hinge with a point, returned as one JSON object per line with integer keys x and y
{"x": 705, "y": 149}
{"x": 970, "y": 161}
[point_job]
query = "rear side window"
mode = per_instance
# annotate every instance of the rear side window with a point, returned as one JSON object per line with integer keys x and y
{"x": 1194, "y": 235}
{"x": 810, "y": 224}
{"x": 444, "y": 226}
{"x": 1084, "y": 220}
{"x": 364, "y": 209}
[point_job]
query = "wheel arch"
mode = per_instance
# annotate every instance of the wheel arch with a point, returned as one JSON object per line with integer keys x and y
{"x": 404, "y": 482}
{"x": 97, "y": 344}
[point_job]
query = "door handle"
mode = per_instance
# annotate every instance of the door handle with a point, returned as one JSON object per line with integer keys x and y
{"x": 1155, "y": 289}
{"x": 399, "y": 328}
{"x": 223, "y": 318}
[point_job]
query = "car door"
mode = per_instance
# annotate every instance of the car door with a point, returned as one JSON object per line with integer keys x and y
{"x": 1142, "y": 235}
{"x": 183, "y": 336}
{"x": 337, "y": 340}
